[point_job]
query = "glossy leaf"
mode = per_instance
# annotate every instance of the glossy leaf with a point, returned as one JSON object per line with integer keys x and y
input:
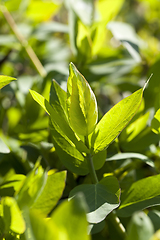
{"x": 12, "y": 216}
{"x": 4, "y": 80}
{"x": 140, "y": 227}
{"x": 101, "y": 198}
{"x": 82, "y": 111}
{"x": 3, "y": 147}
{"x": 127, "y": 35}
{"x": 121, "y": 156}
{"x": 113, "y": 122}
{"x": 140, "y": 195}
{"x": 51, "y": 193}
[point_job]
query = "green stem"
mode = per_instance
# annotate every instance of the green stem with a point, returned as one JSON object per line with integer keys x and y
{"x": 117, "y": 224}
{"x": 90, "y": 164}
{"x": 23, "y": 41}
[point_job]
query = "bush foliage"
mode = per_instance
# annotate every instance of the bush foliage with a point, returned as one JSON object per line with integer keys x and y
{"x": 80, "y": 120}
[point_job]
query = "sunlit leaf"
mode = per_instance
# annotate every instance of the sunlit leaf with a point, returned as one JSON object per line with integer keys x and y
{"x": 12, "y": 216}
{"x": 140, "y": 195}
{"x": 3, "y": 147}
{"x": 113, "y": 122}
{"x": 4, "y": 80}
{"x": 83, "y": 111}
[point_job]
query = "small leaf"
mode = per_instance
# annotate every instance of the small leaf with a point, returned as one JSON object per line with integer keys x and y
{"x": 155, "y": 124}
{"x": 83, "y": 111}
{"x": 121, "y": 156}
{"x": 140, "y": 195}
{"x": 101, "y": 198}
{"x": 114, "y": 121}
{"x": 4, "y": 80}
{"x": 12, "y": 216}
{"x": 3, "y": 147}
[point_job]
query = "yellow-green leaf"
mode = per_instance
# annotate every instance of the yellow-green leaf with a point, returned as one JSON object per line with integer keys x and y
{"x": 4, "y": 80}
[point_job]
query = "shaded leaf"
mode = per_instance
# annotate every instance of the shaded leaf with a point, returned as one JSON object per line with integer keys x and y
{"x": 101, "y": 198}
{"x": 140, "y": 227}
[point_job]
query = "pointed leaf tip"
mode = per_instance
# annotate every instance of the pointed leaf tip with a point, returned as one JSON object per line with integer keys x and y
{"x": 146, "y": 83}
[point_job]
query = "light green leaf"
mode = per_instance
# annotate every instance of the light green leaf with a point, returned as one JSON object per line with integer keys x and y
{"x": 121, "y": 156}
{"x": 155, "y": 124}
{"x": 39, "y": 228}
{"x": 3, "y": 147}
{"x": 12, "y": 216}
{"x": 60, "y": 120}
{"x": 140, "y": 227}
{"x": 51, "y": 192}
{"x": 4, "y": 80}
{"x": 127, "y": 35}
{"x": 113, "y": 122}
{"x": 141, "y": 194}
{"x": 68, "y": 153}
{"x": 83, "y": 111}
{"x": 101, "y": 198}
{"x": 70, "y": 218}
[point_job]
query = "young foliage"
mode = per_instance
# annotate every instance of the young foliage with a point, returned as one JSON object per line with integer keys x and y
{"x": 4, "y": 80}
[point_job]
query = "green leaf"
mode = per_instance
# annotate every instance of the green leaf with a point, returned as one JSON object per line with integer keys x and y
{"x": 12, "y": 216}
{"x": 59, "y": 119}
{"x": 39, "y": 228}
{"x": 3, "y": 147}
{"x": 83, "y": 111}
{"x": 140, "y": 195}
{"x": 51, "y": 193}
{"x": 68, "y": 153}
{"x": 101, "y": 198}
{"x": 4, "y": 80}
{"x": 127, "y": 35}
{"x": 70, "y": 218}
{"x": 155, "y": 124}
{"x": 114, "y": 121}
{"x": 121, "y": 156}
{"x": 140, "y": 227}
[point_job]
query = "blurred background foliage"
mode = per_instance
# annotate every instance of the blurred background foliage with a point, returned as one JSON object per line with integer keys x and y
{"x": 114, "y": 44}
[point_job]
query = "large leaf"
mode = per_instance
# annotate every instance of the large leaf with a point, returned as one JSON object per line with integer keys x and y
{"x": 114, "y": 121}
{"x": 51, "y": 192}
{"x": 141, "y": 194}
{"x": 70, "y": 217}
{"x": 101, "y": 198}
{"x": 12, "y": 216}
{"x": 4, "y": 80}
{"x": 140, "y": 227}
{"x": 83, "y": 111}
{"x": 68, "y": 222}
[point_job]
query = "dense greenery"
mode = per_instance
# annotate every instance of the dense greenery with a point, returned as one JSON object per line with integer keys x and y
{"x": 84, "y": 162}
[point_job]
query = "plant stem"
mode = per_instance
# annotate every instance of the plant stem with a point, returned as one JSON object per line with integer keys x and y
{"x": 23, "y": 41}
{"x": 90, "y": 164}
{"x": 117, "y": 224}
